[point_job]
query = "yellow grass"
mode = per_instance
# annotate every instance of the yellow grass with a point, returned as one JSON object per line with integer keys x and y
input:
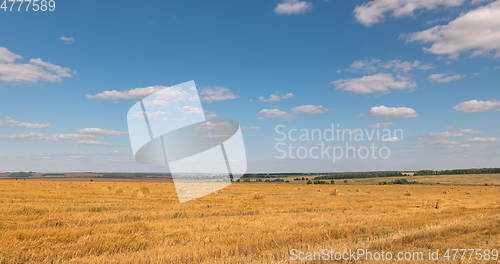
{"x": 127, "y": 222}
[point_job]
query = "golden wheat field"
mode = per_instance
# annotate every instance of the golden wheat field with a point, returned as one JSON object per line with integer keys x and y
{"x": 135, "y": 222}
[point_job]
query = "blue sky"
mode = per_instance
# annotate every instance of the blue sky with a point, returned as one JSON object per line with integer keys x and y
{"x": 428, "y": 67}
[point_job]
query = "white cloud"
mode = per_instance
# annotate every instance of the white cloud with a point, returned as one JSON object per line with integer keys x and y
{"x": 82, "y": 137}
{"x": 391, "y": 140}
{"x": 469, "y": 131}
{"x": 67, "y": 40}
{"x": 444, "y": 142}
{"x": 459, "y": 133}
{"x": 136, "y": 93}
{"x": 377, "y": 83}
{"x": 445, "y": 77}
{"x": 192, "y": 110}
{"x": 374, "y": 11}
{"x": 159, "y": 115}
{"x": 292, "y": 7}
{"x": 46, "y": 137}
{"x": 477, "y": 31}
{"x": 6, "y": 56}
{"x": 252, "y": 128}
{"x": 481, "y": 139}
{"x": 406, "y": 66}
{"x": 14, "y": 123}
{"x": 213, "y": 94}
{"x": 381, "y": 125}
{"x": 100, "y": 131}
{"x": 276, "y": 97}
{"x": 474, "y": 106}
{"x": 397, "y": 66}
{"x": 90, "y": 142}
{"x": 274, "y": 113}
{"x": 272, "y": 98}
{"x": 310, "y": 109}
{"x": 366, "y": 65}
{"x": 393, "y": 112}
{"x": 33, "y": 71}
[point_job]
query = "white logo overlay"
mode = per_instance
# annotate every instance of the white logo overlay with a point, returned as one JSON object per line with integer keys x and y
{"x": 169, "y": 128}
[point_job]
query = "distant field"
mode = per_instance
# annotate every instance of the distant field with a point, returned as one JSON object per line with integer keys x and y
{"x": 135, "y": 222}
{"x": 462, "y": 179}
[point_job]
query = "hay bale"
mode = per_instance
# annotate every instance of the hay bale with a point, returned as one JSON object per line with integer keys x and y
{"x": 138, "y": 194}
{"x": 144, "y": 190}
{"x": 258, "y": 196}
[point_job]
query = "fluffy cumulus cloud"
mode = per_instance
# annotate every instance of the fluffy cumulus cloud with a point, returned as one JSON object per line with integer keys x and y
{"x": 393, "y": 112}
{"x": 67, "y": 40}
{"x": 372, "y": 65}
{"x": 454, "y": 138}
{"x": 84, "y": 136}
{"x": 482, "y": 140}
{"x": 252, "y": 128}
{"x": 46, "y": 137}
{"x": 474, "y": 106}
{"x": 189, "y": 109}
{"x": 477, "y": 31}
{"x": 376, "y": 83}
{"x": 375, "y": 11}
{"x": 310, "y": 109}
{"x": 444, "y": 142}
{"x": 6, "y": 56}
{"x": 445, "y": 77}
{"x": 91, "y": 142}
{"x": 14, "y": 123}
{"x": 213, "y": 94}
{"x": 457, "y": 133}
{"x": 292, "y": 7}
{"x": 163, "y": 95}
{"x": 136, "y": 93}
{"x": 382, "y": 125}
{"x": 391, "y": 140}
{"x": 274, "y": 113}
{"x": 276, "y": 97}
{"x": 34, "y": 70}
{"x": 100, "y": 131}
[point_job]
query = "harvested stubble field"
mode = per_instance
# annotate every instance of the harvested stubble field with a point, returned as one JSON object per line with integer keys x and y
{"x": 137, "y": 222}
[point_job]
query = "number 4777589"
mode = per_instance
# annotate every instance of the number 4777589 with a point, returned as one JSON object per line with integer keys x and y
{"x": 28, "y": 5}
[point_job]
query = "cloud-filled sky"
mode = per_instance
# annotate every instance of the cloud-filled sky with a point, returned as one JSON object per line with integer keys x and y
{"x": 429, "y": 68}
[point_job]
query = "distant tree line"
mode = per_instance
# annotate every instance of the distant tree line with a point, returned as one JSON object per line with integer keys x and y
{"x": 134, "y": 175}
{"x": 18, "y": 175}
{"x": 274, "y": 175}
{"x": 52, "y": 174}
{"x": 260, "y": 180}
{"x": 358, "y": 175}
{"x": 399, "y": 181}
{"x": 459, "y": 171}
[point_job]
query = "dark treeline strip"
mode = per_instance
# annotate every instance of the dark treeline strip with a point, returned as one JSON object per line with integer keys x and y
{"x": 52, "y": 174}
{"x": 20, "y": 175}
{"x": 276, "y": 175}
{"x": 358, "y": 175}
{"x": 459, "y": 171}
{"x": 134, "y": 175}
